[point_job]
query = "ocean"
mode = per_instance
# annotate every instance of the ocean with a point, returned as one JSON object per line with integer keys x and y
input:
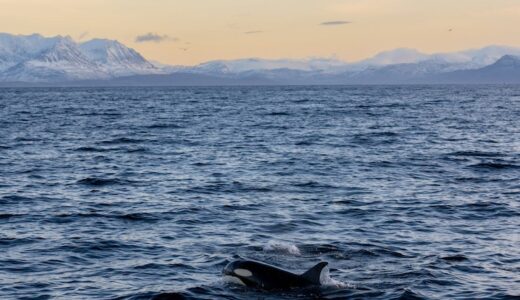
{"x": 409, "y": 192}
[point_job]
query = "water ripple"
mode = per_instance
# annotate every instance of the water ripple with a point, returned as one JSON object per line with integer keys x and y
{"x": 147, "y": 193}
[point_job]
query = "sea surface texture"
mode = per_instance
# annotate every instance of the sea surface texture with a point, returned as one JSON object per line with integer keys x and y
{"x": 132, "y": 193}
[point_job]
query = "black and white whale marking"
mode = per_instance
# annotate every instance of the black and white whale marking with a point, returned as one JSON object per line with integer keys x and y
{"x": 263, "y": 276}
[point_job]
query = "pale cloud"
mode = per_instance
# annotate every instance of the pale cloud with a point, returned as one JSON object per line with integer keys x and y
{"x": 335, "y": 23}
{"x": 154, "y": 38}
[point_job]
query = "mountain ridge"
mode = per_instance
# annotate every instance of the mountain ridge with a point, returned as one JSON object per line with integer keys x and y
{"x": 59, "y": 60}
{"x": 34, "y": 58}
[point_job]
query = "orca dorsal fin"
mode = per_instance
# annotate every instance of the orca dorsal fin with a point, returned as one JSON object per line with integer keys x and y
{"x": 314, "y": 274}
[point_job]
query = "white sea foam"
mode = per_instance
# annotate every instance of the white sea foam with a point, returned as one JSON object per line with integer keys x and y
{"x": 283, "y": 247}
{"x": 327, "y": 281}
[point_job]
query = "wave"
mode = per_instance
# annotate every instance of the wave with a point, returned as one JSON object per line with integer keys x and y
{"x": 93, "y": 149}
{"x": 383, "y": 134}
{"x": 124, "y": 149}
{"x": 122, "y": 140}
{"x": 233, "y": 187}
{"x": 314, "y": 184}
{"x": 137, "y": 150}
{"x": 125, "y": 217}
{"x": 475, "y": 154}
{"x": 11, "y": 241}
{"x": 278, "y": 113}
{"x": 306, "y": 142}
{"x": 494, "y": 166}
{"x": 88, "y": 245}
{"x": 97, "y": 181}
{"x": 7, "y": 216}
{"x": 15, "y": 199}
{"x": 164, "y": 126}
{"x": 454, "y": 258}
{"x": 375, "y": 138}
{"x": 411, "y": 295}
{"x": 138, "y": 217}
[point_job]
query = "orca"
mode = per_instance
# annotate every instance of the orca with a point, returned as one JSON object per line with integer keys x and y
{"x": 267, "y": 277}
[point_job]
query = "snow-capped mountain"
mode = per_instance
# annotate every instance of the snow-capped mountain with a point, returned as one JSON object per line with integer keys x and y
{"x": 410, "y": 60}
{"x": 116, "y": 59}
{"x": 257, "y": 64}
{"x": 61, "y": 61}
{"x": 15, "y": 49}
{"x": 476, "y": 58}
{"x": 35, "y": 58}
{"x": 396, "y": 56}
{"x": 396, "y": 66}
{"x": 505, "y": 70}
{"x": 469, "y": 59}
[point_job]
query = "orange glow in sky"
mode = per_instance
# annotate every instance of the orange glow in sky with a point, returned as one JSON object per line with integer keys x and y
{"x": 192, "y": 31}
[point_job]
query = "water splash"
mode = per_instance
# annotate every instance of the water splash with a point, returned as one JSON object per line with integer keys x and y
{"x": 282, "y": 247}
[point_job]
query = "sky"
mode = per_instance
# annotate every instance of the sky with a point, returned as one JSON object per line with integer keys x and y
{"x": 188, "y": 32}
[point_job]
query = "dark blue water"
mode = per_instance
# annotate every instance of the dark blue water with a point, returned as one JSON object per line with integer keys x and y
{"x": 408, "y": 192}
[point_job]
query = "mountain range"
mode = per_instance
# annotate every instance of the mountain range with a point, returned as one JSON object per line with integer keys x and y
{"x": 37, "y": 60}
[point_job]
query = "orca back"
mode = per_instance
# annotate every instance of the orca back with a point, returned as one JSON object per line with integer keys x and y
{"x": 269, "y": 277}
